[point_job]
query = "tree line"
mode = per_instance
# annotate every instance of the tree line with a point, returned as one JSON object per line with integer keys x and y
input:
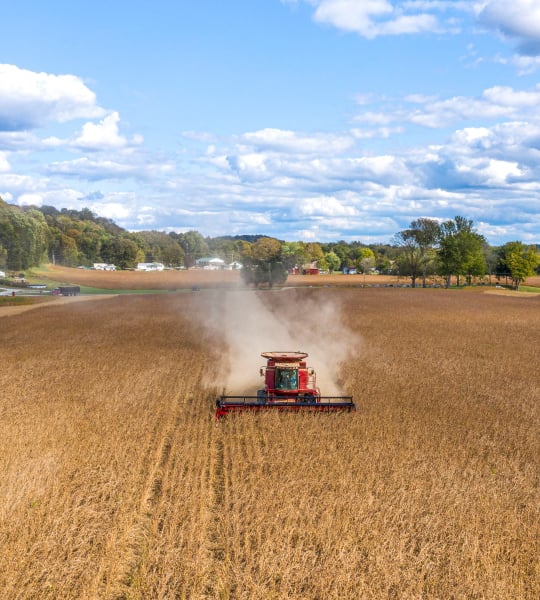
{"x": 30, "y": 236}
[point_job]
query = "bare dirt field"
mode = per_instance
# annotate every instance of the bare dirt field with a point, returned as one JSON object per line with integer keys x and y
{"x": 117, "y": 483}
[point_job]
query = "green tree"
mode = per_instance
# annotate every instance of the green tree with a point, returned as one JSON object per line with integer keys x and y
{"x": 161, "y": 247}
{"x": 122, "y": 251}
{"x": 314, "y": 252}
{"x": 411, "y": 258}
{"x": 194, "y": 246}
{"x": 333, "y": 261}
{"x": 520, "y": 260}
{"x": 68, "y": 253}
{"x": 417, "y": 244}
{"x": 365, "y": 259}
{"x": 23, "y": 236}
{"x": 294, "y": 254}
{"x": 265, "y": 265}
{"x": 426, "y": 232}
{"x": 3, "y": 256}
{"x": 461, "y": 250}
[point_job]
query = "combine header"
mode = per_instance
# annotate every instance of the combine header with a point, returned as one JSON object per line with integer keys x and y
{"x": 289, "y": 384}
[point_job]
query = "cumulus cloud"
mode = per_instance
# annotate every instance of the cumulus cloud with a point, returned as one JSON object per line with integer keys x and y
{"x": 373, "y": 18}
{"x": 117, "y": 211}
{"x": 519, "y": 19}
{"x": 29, "y": 100}
{"x": 103, "y": 135}
{"x": 323, "y": 206}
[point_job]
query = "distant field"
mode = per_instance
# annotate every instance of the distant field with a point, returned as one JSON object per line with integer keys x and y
{"x": 117, "y": 483}
{"x": 140, "y": 280}
{"x": 164, "y": 280}
{"x": 172, "y": 280}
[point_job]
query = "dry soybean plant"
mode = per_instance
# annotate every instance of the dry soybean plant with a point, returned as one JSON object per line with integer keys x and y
{"x": 117, "y": 483}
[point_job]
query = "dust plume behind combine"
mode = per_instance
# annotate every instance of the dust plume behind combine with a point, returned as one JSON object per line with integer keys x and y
{"x": 257, "y": 322}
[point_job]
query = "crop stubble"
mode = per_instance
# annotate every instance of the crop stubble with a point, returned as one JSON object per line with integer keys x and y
{"x": 117, "y": 484}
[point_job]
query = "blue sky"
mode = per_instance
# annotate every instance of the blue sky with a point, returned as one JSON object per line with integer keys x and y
{"x": 313, "y": 120}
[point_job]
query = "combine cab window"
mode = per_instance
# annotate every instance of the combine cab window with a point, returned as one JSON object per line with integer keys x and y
{"x": 286, "y": 379}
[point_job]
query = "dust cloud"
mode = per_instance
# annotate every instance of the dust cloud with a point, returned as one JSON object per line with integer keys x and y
{"x": 252, "y": 322}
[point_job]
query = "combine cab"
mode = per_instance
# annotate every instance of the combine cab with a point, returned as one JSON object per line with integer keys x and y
{"x": 289, "y": 384}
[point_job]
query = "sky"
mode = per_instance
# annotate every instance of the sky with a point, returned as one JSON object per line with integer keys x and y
{"x": 304, "y": 120}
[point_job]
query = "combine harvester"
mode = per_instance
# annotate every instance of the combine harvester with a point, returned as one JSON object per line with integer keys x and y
{"x": 289, "y": 384}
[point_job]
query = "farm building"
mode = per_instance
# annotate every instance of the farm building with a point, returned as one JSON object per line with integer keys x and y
{"x": 151, "y": 266}
{"x": 210, "y": 263}
{"x": 310, "y": 268}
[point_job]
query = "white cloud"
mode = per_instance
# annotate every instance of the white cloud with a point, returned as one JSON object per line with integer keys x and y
{"x": 519, "y": 18}
{"x": 29, "y": 100}
{"x": 102, "y": 135}
{"x": 524, "y": 65}
{"x": 86, "y": 168}
{"x": 19, "y": 184}
{"x": 279, "y": 140}
{"x": 373, "y": 18}
{"x": 323, "y": 206}
{"x": 4, "y": 163}
{"x": 495, "y": 103}
{"x": 30, "y": 200}
{"x": 498, "y": 172}
{"x": 440, "y": 5}
{"x": 249, "y": 166}
{"x": 117, "y": 211}
{"x": 445, "y": 112}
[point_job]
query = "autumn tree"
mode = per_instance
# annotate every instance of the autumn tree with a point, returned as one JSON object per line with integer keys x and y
{"x": 365, "y": 259}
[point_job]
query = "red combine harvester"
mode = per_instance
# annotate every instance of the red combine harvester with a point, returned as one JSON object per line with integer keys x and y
{"x": 289, "y": 384}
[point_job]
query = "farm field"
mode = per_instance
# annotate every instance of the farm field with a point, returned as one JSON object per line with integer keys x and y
{"x": 117, "y": 482}
{"x": 186, "y": 279}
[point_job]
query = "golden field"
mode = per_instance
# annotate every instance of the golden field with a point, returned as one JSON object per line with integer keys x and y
{"x": 117, "y": 482}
